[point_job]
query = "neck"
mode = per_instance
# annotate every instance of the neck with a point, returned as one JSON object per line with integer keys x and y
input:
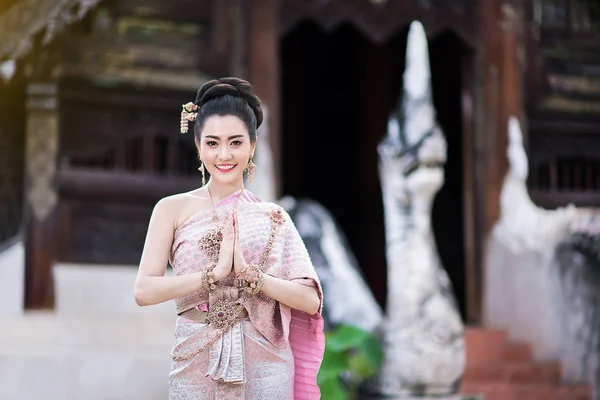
{"x": 421, "y": 212}
{"x": 219, "y": 190}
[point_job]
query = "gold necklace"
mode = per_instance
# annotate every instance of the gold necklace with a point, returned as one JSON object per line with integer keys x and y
{"x": 211, "y": 241}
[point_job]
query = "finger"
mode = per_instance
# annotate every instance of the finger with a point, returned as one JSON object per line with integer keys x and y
{"x": 229, "y": 227}
{"x": 236, "y": 226}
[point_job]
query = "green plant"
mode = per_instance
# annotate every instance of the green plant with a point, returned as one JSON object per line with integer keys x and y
{"x": 350, "y": 353}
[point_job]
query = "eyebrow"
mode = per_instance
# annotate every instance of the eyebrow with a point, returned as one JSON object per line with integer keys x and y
{"x": 229, "y": 138}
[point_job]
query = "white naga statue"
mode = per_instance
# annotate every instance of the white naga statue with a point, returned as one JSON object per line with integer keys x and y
{"x": 423, "y": 334}
{"x": 541, "y": 274}
{"x": 519, "y": 258}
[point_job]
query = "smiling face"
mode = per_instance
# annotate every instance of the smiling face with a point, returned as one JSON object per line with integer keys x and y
{"x": 225, "y": 148}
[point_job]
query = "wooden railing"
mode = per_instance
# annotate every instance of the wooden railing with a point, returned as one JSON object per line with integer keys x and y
{"x": 567, "y": 16}
{"x": 564, "y": 164}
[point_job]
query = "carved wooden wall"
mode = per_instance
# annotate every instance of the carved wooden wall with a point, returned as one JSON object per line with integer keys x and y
{"x": 564, "y": 108}
{"x": 565, "y": 168}
{"x": 379, "y": 20}
{"x": 175, "y": 44}
{"x": 126, "y": 70}
{"x": 117, "y": 160}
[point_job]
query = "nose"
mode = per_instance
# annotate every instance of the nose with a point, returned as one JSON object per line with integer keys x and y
{"x": 224, "y": 153}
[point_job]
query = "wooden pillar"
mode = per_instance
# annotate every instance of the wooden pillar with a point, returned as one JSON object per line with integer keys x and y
{"x": 492, "y": 123}
{"x": 513, "y": 67}
{"x": 12, "y": 143}
{"x": 502, "y": 93}
{"x": 41, "y": 152}
{"x": 500, "y": 73}
{"x": 263, "y": 71}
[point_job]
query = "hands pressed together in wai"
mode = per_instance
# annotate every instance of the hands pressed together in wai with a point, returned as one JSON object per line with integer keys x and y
{"x": 231, "y": 256}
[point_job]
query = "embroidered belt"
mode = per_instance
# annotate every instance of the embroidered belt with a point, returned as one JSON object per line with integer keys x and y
{"x": 220, "y": 312}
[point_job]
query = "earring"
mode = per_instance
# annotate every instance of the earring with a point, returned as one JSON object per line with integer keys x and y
{"x": 251, "y": 168}
{"x": 201, "y": 169}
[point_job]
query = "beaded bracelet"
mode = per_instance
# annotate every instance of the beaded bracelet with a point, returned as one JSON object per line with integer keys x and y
{"x": 208, "y": 279}
{"x": 252, "y": 285}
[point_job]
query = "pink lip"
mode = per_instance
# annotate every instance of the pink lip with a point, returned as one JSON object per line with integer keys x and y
{"x": 225, "y": 170}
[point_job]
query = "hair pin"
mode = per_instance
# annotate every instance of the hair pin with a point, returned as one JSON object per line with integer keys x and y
{"x": 188, "y": 113}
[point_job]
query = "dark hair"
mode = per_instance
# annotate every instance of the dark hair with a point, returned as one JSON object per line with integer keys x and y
{"x": 228, "y": 96}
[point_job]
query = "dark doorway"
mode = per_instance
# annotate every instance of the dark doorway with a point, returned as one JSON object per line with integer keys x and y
{"x": 337, "y": 92}
{"x": 446, "y": 57}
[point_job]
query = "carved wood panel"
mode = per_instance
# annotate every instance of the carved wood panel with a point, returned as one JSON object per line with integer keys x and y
{"x": 380, "y": 20}
{"x": 120, "y": 153}
{"x": 104, "y": 233}
{"x": 132, "y": 41}
{"x": 102, "y": 134}
{"x": 565, "y": 168}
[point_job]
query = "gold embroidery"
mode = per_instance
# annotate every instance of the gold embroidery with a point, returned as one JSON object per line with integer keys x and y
{"x": 222, "y": 313}
{"x": 253, "y": 285}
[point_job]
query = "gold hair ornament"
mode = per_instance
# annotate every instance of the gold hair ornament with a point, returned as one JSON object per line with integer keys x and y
{"x": 188, "y": 113}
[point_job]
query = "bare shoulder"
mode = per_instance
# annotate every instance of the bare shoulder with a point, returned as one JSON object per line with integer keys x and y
{"x": 178, "y": 207}
{"x": 170, "y": 204}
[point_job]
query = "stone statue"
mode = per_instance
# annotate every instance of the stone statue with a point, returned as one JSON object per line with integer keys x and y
{"x": 522, "y": 224}
{"x": 347, "y": 298}
{"x": 552, "y": 254}
{"x": 423, "y": 334}
{"x": 518, "y": 258}
{"x": 576, "y": 266}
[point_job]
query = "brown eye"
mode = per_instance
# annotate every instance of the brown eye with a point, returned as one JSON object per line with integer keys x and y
{"x": 236, "y": 143}
{"x": 211, "y": 143}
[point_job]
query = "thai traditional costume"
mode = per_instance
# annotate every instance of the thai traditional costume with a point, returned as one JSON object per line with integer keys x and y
{"x": 230, "y": 344}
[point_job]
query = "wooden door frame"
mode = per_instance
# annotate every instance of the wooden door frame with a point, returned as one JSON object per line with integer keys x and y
{"x": 492, "y": 90}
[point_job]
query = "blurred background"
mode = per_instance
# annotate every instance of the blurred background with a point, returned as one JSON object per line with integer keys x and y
{"x": 90, "y": 96}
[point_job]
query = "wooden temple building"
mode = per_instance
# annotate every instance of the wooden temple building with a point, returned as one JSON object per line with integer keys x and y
{"x": 90, "y": 96}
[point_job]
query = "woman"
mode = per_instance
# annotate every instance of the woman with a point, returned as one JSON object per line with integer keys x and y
{"x": 247, "y": 296}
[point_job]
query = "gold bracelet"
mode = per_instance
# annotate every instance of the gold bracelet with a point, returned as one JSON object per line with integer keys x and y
{"x": 208, "y": 279}
{"x": 255, "y": 284}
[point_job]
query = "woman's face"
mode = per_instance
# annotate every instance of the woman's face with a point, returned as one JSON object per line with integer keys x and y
{"x": 225, "y": 148}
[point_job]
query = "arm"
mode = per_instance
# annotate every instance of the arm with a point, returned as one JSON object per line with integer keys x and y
{"x": 151, "y": 286}
{"x": 292, "y": 294}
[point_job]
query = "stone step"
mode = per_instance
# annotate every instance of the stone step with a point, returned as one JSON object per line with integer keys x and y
{"x": 101, "y": 290}
{"x": 517, "y": 352}
{"x": 508, "y": 391}
{"x": 89, "y": 375}
{"x": 484, "y": 345}
{"x": 53, "y": 357}
{"x": 47, "y": 333}
{"x": 514, "y": 372}
{"x": 500, "y": 370}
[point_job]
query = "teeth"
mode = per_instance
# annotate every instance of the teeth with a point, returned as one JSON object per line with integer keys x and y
{"x": 225, "y": 166}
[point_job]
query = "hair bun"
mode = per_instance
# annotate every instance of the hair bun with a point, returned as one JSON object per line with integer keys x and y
{"x": 235, "y": 87}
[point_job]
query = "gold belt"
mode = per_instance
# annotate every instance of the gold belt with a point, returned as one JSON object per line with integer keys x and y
{"x": 222, "y": 310}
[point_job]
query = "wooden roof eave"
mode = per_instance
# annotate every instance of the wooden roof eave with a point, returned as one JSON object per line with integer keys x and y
{"x": 28, "y": 18}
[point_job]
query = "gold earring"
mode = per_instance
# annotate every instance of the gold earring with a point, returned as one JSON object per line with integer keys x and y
{"x": 201, "y": 169}
{"x": 251, "y": 168}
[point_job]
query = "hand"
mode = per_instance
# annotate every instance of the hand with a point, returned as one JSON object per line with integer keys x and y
{"x": 239, "y": 262}
{"x": 225, "y": 263}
